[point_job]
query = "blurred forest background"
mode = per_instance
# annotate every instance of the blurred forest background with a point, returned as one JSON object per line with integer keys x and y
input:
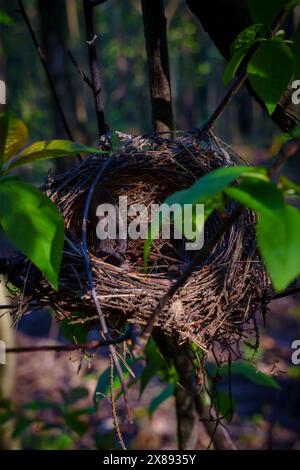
{"x": 265, "y": 418}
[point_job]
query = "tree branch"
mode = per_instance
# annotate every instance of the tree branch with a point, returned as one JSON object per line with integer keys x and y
{"x": 68, "y": 347}
{"x": 91, "y": 37}
{"x": 241, "y": 79}
{"x": 45, "y": 66}
{"x": 224, "y": 20}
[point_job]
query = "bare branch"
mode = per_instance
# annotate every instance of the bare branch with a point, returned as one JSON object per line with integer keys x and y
{"x": 45, "y": 66}
{"x": 92, "y": 286}
{"x": 68, "y": 347}
{"x": 84, "y": 77}
{"x": 91, "y": 38}
{"x": 287, "y": 293}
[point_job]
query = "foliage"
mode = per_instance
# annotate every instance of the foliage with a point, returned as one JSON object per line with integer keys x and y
{"x": 273, "y": 61}
{"x": 30, "y": 220}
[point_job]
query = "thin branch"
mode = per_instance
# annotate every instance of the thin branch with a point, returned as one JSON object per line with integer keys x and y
{"x": 198, "y": 258}
{"x": 287, "y": 293}
{"x": 68, "y": 347}
{"x": 240, "y": 80}
{"x": 48, "y": 74}
{"x": 92, "y": 285}
{"x": 234, "y": 88}
{"x": 84, "y": 77}
{"x": 287, "y": 151}
{"x": 113, "y": 406}
{"x": 91, "y": 37}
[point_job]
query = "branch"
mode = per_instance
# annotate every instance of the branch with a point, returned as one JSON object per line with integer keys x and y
{"x": 234, "y": 14}
{"x": 155, "y": 33}
{"x": 198, "y": 258}
{"x": 68, "y": 347}
{"x": 287, "y": 293}
{"x": 45, "y": 66}
{"x": 92, "y": 286}
{"x": 237, "y": 84}
{"x": 287, "y": 151}
{"x": 84, "y": 77}
{"x": 91, "y": 37}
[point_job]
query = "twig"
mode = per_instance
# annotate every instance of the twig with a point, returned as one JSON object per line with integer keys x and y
{"x": 287, "y": 293}
{"x": 92, "y": 286}
{"x": 287, "y": 151}
{"x": 235, "y": 87}
{"x": 240, "y": 80}
{"x": 48, "y": 74}
{"x": 84, "y": 77}
{"x": 91, "y": 37}
{"x": 198, "y": 258}
{"x": 68, "y": 347}
{"x": 4, "y": 307}
{"x": 113, "y": 406}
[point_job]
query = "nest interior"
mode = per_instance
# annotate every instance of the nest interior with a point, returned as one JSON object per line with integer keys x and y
{"x": 220, "y": 298}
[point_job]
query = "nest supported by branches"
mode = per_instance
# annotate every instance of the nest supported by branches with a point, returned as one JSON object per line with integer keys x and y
{"x": 220, "y": 298}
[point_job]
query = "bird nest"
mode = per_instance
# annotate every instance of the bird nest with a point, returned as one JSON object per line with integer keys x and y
{"x": 220, "y": 298}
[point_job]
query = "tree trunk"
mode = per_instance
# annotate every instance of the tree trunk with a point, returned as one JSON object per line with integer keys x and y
{"x": 155, "y": 32}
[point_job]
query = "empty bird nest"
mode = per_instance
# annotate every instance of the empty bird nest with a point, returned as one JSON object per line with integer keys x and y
{"x": 221, "y": 297}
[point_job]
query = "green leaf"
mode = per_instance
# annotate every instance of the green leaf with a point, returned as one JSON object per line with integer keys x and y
{"x": 279, "y": 244}
{"x": 13, "y": 135}
{"x": 233, "y": 65}
{"x": 74, "y": 423}
{"x": 270, "y": 70}
{"x": 288, "y": 185}
{"x": 250, "y": 372}
{"x": 239, "y": 49}
{"x": 265, "y": 11}
{"x": 154, "y": 362}
{"x": 33, "y": 223}
{"x": 225, "y": 405}
{"x": 296, "y": 52}
{"x": 200, "y": 192}
{"x": 44, "y": 150}
{"x": 74, "y": 333}
{"x": 159, "y": 399}
{"x": 261, "y": 196}
{"x": 246, "y": 38}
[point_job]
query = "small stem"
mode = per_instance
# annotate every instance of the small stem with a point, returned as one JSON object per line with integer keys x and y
{"x": 88, "y": 7}
{"x": 44, "y": 64}
{"x": 287, "y": 293}
{"x": 67, "y": 347}
{"x": 84, "y": 77}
